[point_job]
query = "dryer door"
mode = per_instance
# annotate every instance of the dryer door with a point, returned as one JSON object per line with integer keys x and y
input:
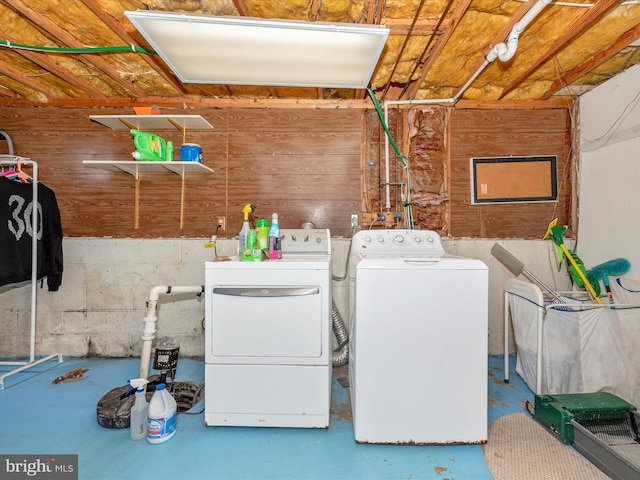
{"x": 266, "y": 321}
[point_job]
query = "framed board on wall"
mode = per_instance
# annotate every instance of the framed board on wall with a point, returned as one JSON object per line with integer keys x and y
{"x": 514, "y": 179}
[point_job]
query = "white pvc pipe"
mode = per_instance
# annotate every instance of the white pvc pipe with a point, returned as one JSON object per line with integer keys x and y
{"x": 506, "y": 52}
{"x": 149, "y": 331}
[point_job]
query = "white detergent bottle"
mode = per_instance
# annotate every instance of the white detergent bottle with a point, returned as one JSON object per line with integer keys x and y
{"x": 162, "y": 416}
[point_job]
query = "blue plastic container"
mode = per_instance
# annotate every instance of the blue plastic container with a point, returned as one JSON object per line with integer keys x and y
{"x": 191, "y": 152}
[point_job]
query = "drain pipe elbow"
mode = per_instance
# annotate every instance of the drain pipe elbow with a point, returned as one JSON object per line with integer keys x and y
{"x": 505, "y": 52}
{"x": 149, "y": 331}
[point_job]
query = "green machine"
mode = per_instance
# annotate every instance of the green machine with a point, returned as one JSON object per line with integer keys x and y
{"x": 601, "y": 426}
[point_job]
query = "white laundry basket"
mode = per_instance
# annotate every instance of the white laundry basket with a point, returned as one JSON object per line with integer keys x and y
{"x": 573, "y": 347}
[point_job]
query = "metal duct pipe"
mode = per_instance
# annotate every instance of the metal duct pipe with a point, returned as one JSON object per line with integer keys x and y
{"x": 341, "y": 354}
{"x": 149, "y": 332}
{"x": 6, "y": 136}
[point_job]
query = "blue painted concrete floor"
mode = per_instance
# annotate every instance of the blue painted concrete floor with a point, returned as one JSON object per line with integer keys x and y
{"x": 42, "y": 418}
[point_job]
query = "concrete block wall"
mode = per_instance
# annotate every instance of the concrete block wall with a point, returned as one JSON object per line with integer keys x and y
{"x": 100, "y": 307}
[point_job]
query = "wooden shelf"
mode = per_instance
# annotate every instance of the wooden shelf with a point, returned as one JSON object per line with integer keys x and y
{"x": 152, "y": 122}
{"x": 134, "y": 168}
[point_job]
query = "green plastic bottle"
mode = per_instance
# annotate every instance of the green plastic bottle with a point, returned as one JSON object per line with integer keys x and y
{"x": 262, "y": 234}
{"x": 247, "y": 253}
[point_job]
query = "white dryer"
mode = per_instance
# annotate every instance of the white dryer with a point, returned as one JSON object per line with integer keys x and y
{"x": 418, "y": 363}
{"x": 268, "y": 336}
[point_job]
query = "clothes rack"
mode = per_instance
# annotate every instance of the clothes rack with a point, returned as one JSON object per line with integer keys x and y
{"x": 13, "y": 160}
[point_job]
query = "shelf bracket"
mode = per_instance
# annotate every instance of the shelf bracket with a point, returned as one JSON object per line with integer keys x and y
{"x": 136, "y": 205}
{"x": 183, "y": 129}
{"x": 130, "y": 125}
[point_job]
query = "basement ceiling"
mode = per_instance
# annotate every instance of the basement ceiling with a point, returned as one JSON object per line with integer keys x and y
{"x": 434, "y": 49}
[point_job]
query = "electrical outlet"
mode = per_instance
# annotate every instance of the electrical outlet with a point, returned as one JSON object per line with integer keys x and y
{"x": 222, "y": 223}
{"x": 355, "y": 222}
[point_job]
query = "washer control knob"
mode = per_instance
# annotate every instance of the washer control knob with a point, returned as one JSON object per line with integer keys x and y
{"x": 398, "y": 239}
{"x": 367, "y": 239}
{"x": 417, "y": 239}
{"x": 380, "y": 240}
{"x": 430, "y": 239}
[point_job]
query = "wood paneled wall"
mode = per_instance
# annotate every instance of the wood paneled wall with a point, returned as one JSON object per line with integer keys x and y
{"x": 496, "y": 133}
{"x": 307, "y": 165}
{"x": 303, "y": 164}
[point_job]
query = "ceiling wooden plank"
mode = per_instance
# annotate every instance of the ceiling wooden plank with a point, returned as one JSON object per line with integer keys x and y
{"x": 577, "y": 28}
{"x": 115, "y": 25}
{"x": 69, "y": 40}
{"x": 421, "y": 27}
{"x": 575, "y": 73}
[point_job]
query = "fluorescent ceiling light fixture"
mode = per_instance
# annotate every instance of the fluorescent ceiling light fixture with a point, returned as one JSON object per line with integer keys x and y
{"x": 250, "y": 51}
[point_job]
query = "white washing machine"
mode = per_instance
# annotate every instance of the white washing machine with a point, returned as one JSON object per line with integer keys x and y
{"x": 418, "y": 363}
{"x": 268, "y": 336}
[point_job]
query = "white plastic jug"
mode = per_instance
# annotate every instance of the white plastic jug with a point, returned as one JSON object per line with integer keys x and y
{"x": 162, "y": 416}
{"x": 138, "y": 417}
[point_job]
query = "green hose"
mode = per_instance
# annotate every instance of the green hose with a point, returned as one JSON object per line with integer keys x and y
{"x": 33, "y": 48}
{"x": 408, "y": 213}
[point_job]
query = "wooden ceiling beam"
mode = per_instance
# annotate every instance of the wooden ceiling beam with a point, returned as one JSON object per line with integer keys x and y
{"x": 598, "y": 59}
{"x": 25, "y": 79}
{"x": 436, "y": 50}
{"x": 584, "y": 23}
{"x": 500, "y": 36}
{"x": 5, "y": 92}
{"x": 420, "y": 28}
{"x": 70, "y": 41}
{"x": 45, "y": 62}
{"x": 241, "y": 8}
{"x": 186, "y": 103}
{"x": 116, "y": 26}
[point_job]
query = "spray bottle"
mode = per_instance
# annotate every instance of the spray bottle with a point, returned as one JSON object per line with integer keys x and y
{"x": 138, "y": 416}
{"x": 244, "y": 232}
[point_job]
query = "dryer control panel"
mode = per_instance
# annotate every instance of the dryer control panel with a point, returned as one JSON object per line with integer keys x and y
{"x": 306, "y": 241}
{"x": 397, "y": 243}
